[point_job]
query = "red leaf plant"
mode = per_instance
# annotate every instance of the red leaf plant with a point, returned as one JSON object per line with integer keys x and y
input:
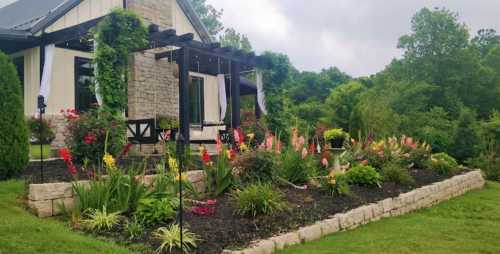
{"x": 205, "y": 208}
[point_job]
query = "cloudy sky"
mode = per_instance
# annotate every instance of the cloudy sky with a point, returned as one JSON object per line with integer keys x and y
{"x": 358, "y": 36}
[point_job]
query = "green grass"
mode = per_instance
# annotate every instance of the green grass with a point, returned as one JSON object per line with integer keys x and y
{"x": 21, "y": 232}
{"x": 468, "y": 224}
{"x": 35, "y": 152}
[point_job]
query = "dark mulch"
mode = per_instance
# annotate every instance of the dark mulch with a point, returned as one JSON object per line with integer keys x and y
{"x": 226, "y": 230}
{"x": 55, "y": 170}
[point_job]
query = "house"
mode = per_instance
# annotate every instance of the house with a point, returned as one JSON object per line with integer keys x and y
{"x": 181, "y": 52}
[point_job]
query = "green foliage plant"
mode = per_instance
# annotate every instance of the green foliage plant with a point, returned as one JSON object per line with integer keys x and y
{"x": 14, "y": 143}
{"x": 363, "y": 176}
{"x": 133, "y": 228}
{"x": 169, "y": 238}
{"x": 335, "y": 183}
{"x": 167, "y": 122}
{"x": 156, "y": 210}
{"x": 443, "y": 163}
{"x": 334, "y": 134}
{"x": 101, "y": 220}
{"x": 220, "y": 174}
{"x": 256, "y": 166}
{"x": 117, "y": 35}
{"x": 293, "y": 168}
{"x": 396, "y": 173}
{"x": 258, "y": 199}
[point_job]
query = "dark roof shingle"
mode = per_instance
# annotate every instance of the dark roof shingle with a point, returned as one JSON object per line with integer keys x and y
{"x": 24, "y": 14}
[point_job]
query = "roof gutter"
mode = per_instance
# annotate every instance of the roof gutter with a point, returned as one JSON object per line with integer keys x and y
{"x": 54, "y": 15}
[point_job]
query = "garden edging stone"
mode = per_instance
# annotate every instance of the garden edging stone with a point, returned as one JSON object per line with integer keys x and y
{"x": 423, "y": 197}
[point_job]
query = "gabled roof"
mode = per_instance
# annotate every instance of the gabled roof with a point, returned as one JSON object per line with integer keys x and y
{"x": 35, "y": 15}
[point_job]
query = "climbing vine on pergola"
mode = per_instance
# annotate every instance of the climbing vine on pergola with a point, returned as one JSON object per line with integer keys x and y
{"x": 116, "y": 37}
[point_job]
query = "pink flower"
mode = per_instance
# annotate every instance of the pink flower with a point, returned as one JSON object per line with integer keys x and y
{"x": 304, "y": 153}
{"x": 324, "y": 162}
{"x": 89, "y": 138}
{"x": 202, "y": 210}
{"x": 211, "y": 202}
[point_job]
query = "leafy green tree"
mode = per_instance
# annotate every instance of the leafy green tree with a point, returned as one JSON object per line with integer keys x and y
{"x": 209, "y": 16}
{"x": 340, "y": 104}
{"x": 231, "y": 38}
{"x": 14, "y": 139}
{"x": 485, "y": 40}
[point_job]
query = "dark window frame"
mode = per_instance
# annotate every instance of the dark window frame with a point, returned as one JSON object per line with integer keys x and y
{"x": 79, "y": 61}
{"x": 201, "y": 92}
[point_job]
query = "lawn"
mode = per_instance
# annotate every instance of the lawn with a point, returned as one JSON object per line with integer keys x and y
{"x": 21, "y": 232}
{"x": 468, "y": 224}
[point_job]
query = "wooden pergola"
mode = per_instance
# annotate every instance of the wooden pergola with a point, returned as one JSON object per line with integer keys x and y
{"x": 190, "y": 55}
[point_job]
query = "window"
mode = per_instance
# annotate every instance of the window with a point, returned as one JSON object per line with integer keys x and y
{"x": 19, "y": 63}
{"x": 196, "y": 100}
{"x": 84, "y": 80}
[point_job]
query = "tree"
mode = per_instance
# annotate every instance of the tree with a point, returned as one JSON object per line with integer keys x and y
{"x": 485, "y": 40}
{"x": 340, "y": 104}
{"x": 231, "y": 38}
{"x": 209, "y": 16}
{"x": 14, "y": 145}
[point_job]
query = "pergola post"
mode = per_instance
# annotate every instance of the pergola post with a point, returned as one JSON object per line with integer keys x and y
{"x": 235, "y": 93}
{"x": 258, "y": 113}
{"x": 183, "y": 62}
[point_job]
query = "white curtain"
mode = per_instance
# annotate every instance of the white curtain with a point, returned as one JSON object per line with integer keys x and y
{"x": 260, "y": 93}
{"x": 48, "y": 65}
{"x": 96, "y": 84}
{"x": 221, "y": 80}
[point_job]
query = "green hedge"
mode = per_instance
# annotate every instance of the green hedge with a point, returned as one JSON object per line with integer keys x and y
{"x": 14, "y": 147}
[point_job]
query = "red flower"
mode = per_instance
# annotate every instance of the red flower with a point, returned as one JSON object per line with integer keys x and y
{"x": 202, "y": 210}
{"x": 232, "y": 153}
{"x": 312, "y": 148}
{"x": 125, "y": 150}
{"x": 206, "y": 157}
{"x": 89, "y": 138}
{"x": 211, "y": 202}
{"x": 218, "y": 144}
{"x": 66, "y": 155}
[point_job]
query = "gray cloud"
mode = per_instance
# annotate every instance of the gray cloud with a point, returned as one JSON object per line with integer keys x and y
{"x": 358, "y": 36}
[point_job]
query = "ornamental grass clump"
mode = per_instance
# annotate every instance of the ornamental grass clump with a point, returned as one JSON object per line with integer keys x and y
{"x": 101, "y": 220}
{"x": 395, "y": 173}
{"x": 363, "y": 176}
{"x": 170, "y": 239}
{"x": 258, "y": 199}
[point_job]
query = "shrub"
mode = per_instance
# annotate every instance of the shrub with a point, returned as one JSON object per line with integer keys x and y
{"x": 394, "y": 172}
{"x": 86, "y": 134}
{"x": 40, "y": 132}
{"x": 14, "y": 149}
{"x": 258, "y": 199}
{"x": 334, "y": 133}
{"x": 443, "y": 164}
{"x": 170, "y": 239}
{"x": 156, "y": 210}
{"x": 363, "y": 175}
{"x": 335, "y": 183}
{"x": 101, "y": 220}
{"x": 256, "y": 166}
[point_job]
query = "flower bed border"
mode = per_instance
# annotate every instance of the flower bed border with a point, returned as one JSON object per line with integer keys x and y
{"x": 423, "y": 197}
{"x": 44, "y": 199}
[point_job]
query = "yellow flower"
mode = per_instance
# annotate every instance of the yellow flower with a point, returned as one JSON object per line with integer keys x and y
{"x": 243, "y": 147}
{"x": 228, "y": 154}
{"x": 183, "y": 177}
{"x": 250, "y": 136}
{"x": 172, "y": 164}
{"x": 109, "y": 161}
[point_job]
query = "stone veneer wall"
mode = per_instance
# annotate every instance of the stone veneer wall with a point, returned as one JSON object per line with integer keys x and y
{"x": 152, "y": 89}
{"x": 44, "y": 200}
{"x": 423, "y": 197}
{"x": 59, "y": 124}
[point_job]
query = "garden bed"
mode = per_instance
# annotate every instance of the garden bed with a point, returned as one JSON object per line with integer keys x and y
{"x": 226, "y": 230}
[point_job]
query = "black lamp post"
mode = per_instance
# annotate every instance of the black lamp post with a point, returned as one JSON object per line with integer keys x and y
{"x": 180, "y": 158}
{"x": 41, "y": 109}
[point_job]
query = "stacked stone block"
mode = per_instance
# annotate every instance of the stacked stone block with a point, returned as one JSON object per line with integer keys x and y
{"x": 46, "y": 200}
{"x": 423, "y": 197}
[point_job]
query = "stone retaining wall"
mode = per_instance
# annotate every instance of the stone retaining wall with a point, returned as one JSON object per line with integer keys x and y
{"x": 45, "y": 199}
{"x": 423, "y": 197}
